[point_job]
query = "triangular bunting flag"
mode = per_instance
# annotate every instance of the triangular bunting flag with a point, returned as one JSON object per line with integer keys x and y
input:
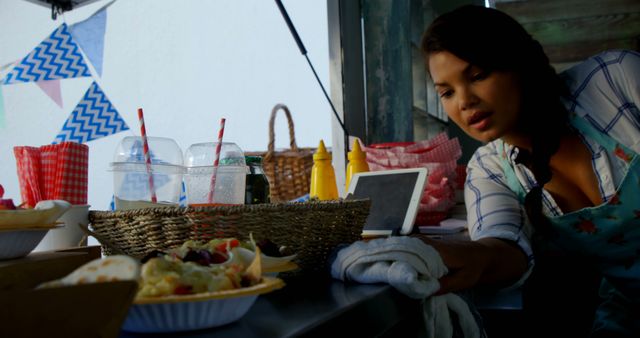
{"x": 89, "y": 34}
{"x": 57, "y": 57}
{"x": 52, "y": 89}
{"x": 5, "y": 69}
{"x": 7, "y": 65}
{"x": 1, "y": 109}
{"x": 94, "y": 117}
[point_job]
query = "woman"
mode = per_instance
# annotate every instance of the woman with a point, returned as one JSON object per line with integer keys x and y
{"x": 559, "y": 175}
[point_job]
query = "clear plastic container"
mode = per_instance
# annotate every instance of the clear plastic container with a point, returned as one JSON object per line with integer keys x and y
{"x": 230, "y": 174}
{"x": 131, "y": 179}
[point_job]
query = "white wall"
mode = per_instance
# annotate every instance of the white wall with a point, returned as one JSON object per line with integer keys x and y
{"x": 187, "y": 63}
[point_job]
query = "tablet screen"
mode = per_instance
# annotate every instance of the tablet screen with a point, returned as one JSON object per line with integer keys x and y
{"x": 395, "y": 197}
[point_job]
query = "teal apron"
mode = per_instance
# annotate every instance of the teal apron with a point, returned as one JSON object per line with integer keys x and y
{"x": 608, "y": 235}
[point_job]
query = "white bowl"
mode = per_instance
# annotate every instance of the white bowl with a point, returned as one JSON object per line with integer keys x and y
{"x": 16, "y": 243}
{"x": 193, "y": 312}
{"x": 69, "y": 236}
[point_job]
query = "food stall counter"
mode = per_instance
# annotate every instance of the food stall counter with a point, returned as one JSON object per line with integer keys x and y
{"x": 320, "y": 306}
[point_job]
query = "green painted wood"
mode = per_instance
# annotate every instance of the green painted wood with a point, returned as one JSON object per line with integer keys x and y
{"x": 443, "y": 6}
{"x": 577, "y": 51}
{"x": 549, "y": 10}
{"x": 387, "y": 46}
{"x": 603, "y": 27}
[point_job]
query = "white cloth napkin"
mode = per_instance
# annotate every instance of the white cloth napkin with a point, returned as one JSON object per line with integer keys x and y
{"x": 413, "y": 268}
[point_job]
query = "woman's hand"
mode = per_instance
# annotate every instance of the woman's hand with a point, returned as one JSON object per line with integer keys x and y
{"x": 488, "y": 261}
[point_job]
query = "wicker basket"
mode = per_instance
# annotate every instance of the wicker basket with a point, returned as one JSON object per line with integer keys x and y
{"x": 311, "y": 229}
{"x": 288, "y": 171}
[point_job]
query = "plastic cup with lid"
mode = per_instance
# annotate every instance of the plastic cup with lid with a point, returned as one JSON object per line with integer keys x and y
{"x": 132, "y": 189}
{"x": 230, "y": 174}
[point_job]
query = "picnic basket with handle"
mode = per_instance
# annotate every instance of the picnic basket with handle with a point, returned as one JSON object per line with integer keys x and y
{"x": 288, "y": 171}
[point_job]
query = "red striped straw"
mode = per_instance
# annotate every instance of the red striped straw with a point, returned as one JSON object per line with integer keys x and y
{"x": 147, "y": 157}
{"x": 216, "y": 161}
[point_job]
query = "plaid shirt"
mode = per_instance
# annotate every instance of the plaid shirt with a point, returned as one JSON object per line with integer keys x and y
{"x": 605, "y": 90}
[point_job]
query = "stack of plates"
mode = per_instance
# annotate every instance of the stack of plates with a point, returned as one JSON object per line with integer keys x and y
{"x": 21, "y": 230}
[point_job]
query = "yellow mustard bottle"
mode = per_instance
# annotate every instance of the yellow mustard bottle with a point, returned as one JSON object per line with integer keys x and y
{"x": 323, "y": 178}
{"x": 357, "y": 162}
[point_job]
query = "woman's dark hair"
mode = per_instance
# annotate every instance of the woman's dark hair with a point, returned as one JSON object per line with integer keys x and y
{"x": 494, "y": 41}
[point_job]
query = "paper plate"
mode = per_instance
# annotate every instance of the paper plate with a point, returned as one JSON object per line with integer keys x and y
{"x": 193, "y": 312}
{"x": 45, "y": 212}
{"x": 275, "y": 270}
{"x": 269, "y": 263}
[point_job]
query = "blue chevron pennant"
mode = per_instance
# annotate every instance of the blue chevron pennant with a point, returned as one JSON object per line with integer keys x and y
{"x": 94, "y": 117}
{"x": 57, "y": 57}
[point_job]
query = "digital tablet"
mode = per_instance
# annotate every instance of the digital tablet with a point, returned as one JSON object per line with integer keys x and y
{"x": 395, "y": 197}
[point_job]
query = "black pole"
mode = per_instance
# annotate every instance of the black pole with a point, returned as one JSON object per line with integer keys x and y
{"x": 292, "y": 28}
{"x": 303, "y": 51}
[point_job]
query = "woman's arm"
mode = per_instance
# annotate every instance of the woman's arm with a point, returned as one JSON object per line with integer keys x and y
{"x": 487, "y": 261}
{"x": 499, "y": 253}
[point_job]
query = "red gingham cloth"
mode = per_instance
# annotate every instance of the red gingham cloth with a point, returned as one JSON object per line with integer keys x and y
{"x": 461, "y": 171}
{"x": 439, "y": 155}
{"x": 48, "y": 160}
{"x": 62, "y": 172}
{"x": 70, "y": 172}
{"x": 28, "y": 165}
